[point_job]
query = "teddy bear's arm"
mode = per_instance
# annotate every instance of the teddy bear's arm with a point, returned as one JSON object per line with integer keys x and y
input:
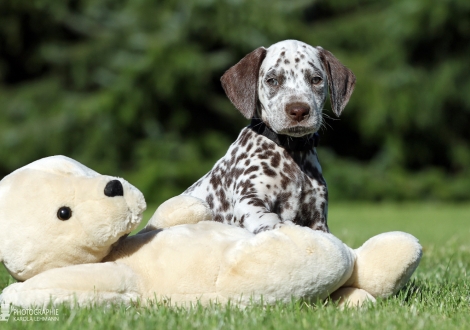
{"x": 179, "y": 210}
{"x": 81, "y": 284}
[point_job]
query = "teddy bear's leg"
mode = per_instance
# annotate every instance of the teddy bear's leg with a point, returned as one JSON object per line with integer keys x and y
{"x": 385, "y": 263}
{"x": 351, "y": 297}
{"x": 285, "y": 262}
{"x": 82, "y": 285}
{"x": 177, "y": 211}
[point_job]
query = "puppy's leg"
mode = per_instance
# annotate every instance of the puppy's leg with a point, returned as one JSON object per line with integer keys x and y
{"x": 254, "y": 214}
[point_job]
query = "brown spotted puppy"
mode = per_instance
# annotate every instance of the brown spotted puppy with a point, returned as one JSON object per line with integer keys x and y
{"x": 271, "y": 174}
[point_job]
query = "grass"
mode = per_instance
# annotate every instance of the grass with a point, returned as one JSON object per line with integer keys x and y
{"x": 437, "y": 297}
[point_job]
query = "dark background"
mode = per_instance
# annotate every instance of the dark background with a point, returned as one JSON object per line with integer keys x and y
{"x": 131, "y": 88}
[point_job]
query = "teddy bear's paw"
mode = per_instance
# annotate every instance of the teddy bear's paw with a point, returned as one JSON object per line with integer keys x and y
{"x": 179, "y": 210}
{"x": 78, "y": 285}
{"x": 349, "y": 297}
{"x": 55, "y": 297}
{"x": 10, "y": 294}
{"x": 385, "y": 263}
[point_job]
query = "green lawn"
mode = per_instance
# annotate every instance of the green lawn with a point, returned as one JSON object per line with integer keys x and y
{"x": 438, "y": 297}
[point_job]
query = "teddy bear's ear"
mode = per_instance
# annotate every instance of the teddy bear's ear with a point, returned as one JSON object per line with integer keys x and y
{"x": 61, "y": 165}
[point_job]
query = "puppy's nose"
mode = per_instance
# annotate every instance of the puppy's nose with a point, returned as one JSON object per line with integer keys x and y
{"x": 114, "y": 188}
{"x": 298, "y": 111}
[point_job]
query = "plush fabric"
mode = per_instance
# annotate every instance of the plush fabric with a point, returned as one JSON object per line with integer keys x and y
{"x": 33, "y": 238}
{"x": 179, "y": 257}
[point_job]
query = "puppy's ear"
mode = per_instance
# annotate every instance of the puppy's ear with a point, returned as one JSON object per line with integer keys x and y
{"x": 341, "y": 80}
{"x": 240, "y": 82}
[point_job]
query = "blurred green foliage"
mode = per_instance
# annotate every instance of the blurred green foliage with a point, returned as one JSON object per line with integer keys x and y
{"x": 131, "y": 88}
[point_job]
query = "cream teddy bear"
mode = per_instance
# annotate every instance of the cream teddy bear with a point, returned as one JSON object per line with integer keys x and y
{"x": 63, "y": 231}
{"x": 55, "y": 212}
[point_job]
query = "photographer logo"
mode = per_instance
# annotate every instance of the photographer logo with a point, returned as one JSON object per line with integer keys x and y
{"x": 4, "y": 312}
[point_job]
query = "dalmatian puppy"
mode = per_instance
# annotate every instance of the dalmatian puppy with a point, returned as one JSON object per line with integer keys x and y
{"x": 270, "y": 175}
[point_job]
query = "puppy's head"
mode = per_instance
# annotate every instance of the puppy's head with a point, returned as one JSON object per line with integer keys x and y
{"x": 286, "y": 86}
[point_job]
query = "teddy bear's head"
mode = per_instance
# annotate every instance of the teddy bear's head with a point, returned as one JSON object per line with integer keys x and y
{"x": 55, "y": 212}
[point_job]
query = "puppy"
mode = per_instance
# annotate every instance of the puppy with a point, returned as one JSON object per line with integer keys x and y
{"x": 271, "y": 174}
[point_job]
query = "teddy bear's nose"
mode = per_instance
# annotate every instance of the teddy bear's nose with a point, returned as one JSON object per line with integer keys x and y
{"x": 113, "y": 189}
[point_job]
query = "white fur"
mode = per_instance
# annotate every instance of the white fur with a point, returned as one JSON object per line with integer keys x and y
{"x": 295, "y": 88}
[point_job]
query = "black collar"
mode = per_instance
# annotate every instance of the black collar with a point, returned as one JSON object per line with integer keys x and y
{"x": 304, "y": 143}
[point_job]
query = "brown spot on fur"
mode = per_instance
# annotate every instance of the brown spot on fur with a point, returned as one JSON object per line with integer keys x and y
{"x": 215, "y": 181}
{"x": 261, "y": 229}
{"x": 234, "y": 152}
{"x": 242, "y": 156}
{"x": 289, "y": 168}
{"x": 246, "y": 136}
{"x": 223, "y": 200}
{"x": 284, "y": 181}
{"x": 275, "y": 160}
{"x": 280, "y": 202}
{"x": 256, "y": 202}
{"x": 251, "y": 169}
{"x": 242, "y": 220}
{"x": 210, "y": 201}
{"x": 268, "y": 171}
{"x": 228, "y": 181}
{"x": 246, "y": 187}
{"x": 265, "y": 155}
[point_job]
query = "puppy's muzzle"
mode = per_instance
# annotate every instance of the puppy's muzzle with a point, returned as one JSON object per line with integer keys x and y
{"x": 298, "y": 111}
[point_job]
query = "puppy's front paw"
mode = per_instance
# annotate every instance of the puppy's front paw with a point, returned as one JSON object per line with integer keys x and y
{"x": 283, "y": 224}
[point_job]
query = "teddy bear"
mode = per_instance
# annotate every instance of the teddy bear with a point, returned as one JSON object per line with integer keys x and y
{"x": 56, "y": 212}
{"x": 64, "y": 234}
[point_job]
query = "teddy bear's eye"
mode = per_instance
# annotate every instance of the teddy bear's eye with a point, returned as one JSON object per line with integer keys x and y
{"x": 64, "y": 213}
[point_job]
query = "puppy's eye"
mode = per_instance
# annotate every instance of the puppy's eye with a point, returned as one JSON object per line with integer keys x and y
{"x": 64, "y": 213}
{"x": 316, "y": 80}
{"x": 272, "y": 81}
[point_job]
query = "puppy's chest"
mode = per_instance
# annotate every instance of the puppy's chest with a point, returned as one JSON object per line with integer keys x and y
{"x": 288, "y": 184}
{"x": 302, "y": 195}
